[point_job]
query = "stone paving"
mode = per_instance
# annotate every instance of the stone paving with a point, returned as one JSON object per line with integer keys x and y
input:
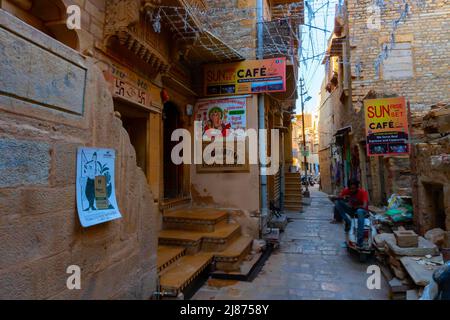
{"x": 311, "y": 263}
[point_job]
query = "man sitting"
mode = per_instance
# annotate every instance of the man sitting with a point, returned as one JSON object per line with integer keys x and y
{"x": 353, "y": 201}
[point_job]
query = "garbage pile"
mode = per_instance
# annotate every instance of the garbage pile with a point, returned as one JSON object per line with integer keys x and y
{"x": 399, "y": 211}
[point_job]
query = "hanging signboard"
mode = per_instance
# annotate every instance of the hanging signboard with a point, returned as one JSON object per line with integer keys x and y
{"x": 96, "y": 197}
{"x": 248, "y": 76}
{"x": 225, "y": 117}
{"x": 386, "y": 126}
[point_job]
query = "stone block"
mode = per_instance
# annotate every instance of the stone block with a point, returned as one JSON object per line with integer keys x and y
{"x": 24, "y": 162}
{"x": 436, "y": 235}
{"x": 406, "y": 238}
{"x": 424, "y": 248}
{"x": 64, "y": 163}
{"x": 106, "y": 283}
{"x": 35, "y": 237}
{"x": 95, "y": 9}
{"x": 36, "y": 74}
{"x": 148, "y": 283}
{"x": 38, "y": 279}
{"x": 45, "y": 200}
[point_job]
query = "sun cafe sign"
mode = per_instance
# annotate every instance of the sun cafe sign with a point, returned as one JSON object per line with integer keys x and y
{"x": 386, "y": 126}
{"x": 249, "y": 76}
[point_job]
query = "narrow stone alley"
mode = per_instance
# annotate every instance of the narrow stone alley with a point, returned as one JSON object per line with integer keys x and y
{"x": 311, "y": 263}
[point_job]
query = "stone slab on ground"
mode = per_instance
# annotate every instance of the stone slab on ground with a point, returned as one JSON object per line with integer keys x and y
{"x": 421, "y": 274}
{"x": 424, "y": 248}
{"x": 412, "y": 295}
{"x": 396, "y": 285}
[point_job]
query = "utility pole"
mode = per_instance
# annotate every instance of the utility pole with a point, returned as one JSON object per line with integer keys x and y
{"x": 262, "y": 119}
{"x": 305, "y": 160}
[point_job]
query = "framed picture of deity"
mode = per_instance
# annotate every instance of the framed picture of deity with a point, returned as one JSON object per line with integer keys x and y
{"x": 223, "y": 124}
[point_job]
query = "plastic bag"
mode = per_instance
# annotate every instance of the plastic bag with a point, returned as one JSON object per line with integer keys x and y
{"x": 394, "y": 202}
{"x": 430, "y": 292}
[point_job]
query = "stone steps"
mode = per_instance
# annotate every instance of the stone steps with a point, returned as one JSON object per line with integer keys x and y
{"x": 191, "y": 239}
{"x": 293, "y": 192}
{"x": 293, "y": 196}
{"x": 168, "y": 255}
{"x": 231, "y": 258}
{"x": 293, "y": 208}
{"x": 180, "y": 274}
{"x": 194, "y": 219}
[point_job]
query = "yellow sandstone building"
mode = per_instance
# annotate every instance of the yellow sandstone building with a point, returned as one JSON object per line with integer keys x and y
{"x": 125, "y": 80}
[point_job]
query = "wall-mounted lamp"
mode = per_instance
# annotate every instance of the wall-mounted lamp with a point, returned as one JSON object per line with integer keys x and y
{"x": 189, "y": 110}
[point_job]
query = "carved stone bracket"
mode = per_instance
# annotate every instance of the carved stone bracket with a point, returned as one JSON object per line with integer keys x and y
{"x": 122, "y": 18}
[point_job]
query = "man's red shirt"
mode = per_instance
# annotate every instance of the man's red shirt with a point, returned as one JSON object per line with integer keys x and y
{"x": 357, "y": 199}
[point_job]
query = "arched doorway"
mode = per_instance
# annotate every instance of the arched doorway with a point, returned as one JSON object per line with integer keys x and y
{"x": 48, "y": 16}
{"x": 173, "y": 174}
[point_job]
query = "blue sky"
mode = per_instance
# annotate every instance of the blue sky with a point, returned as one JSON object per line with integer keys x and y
{"x": 319, "y": 15}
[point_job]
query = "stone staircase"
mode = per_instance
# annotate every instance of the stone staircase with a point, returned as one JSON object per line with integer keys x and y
{"x": 293, "y": 192}
{"x": 193, "y": 239}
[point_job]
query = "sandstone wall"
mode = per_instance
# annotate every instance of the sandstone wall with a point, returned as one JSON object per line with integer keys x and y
{"x": 431, "y": 171}
{"x": 420, "y": 73}
{"x": 40, "y": 233}
{"x": 240, "y": 33}
{"x": 232, "y": 190}
{"x": 423, "y": 28}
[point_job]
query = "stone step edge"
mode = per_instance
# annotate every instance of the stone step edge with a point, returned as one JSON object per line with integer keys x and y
{"x": 194, "y": 221}
{"x": 186, "y": 282}
{"x": 203, "y": 238}
{"x": 169, "y": 262}
{"x": 235, "y": 258}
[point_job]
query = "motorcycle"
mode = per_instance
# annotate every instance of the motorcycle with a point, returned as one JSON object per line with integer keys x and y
{"x": 368, "y": 247}
{"x": 310, "y": 181}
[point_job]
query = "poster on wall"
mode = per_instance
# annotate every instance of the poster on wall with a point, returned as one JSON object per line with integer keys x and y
{"x": 386, "y": 126}
{"x": 96, "y": 197}
{"x": 222, "y": 117}
{"x": 248, "y": 76}
{"x": 225, "y": 117}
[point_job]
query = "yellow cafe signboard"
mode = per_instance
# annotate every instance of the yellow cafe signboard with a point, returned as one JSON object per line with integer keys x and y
{"x": 249, "y": 76}
{"x": 386, "y": 126}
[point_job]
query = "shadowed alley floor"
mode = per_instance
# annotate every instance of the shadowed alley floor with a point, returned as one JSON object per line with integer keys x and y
{"x": 311, "y": 263}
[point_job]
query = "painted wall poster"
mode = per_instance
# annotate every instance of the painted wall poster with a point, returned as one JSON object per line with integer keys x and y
{"x": 248, "y": 76}
{"x": 222, "y": 117}
{"x": 386, "y": 126}
{"x": 96, "y": 197}
{"x": 226, "y": 117}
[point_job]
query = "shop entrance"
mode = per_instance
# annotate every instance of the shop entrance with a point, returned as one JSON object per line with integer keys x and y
{"x": 434, "y": 200}
{"x": 173, "y": 174}
{"x": 135, "y": 122}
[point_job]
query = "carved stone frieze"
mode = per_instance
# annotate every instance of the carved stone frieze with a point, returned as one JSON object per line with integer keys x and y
{"x": 122, "y": 21}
